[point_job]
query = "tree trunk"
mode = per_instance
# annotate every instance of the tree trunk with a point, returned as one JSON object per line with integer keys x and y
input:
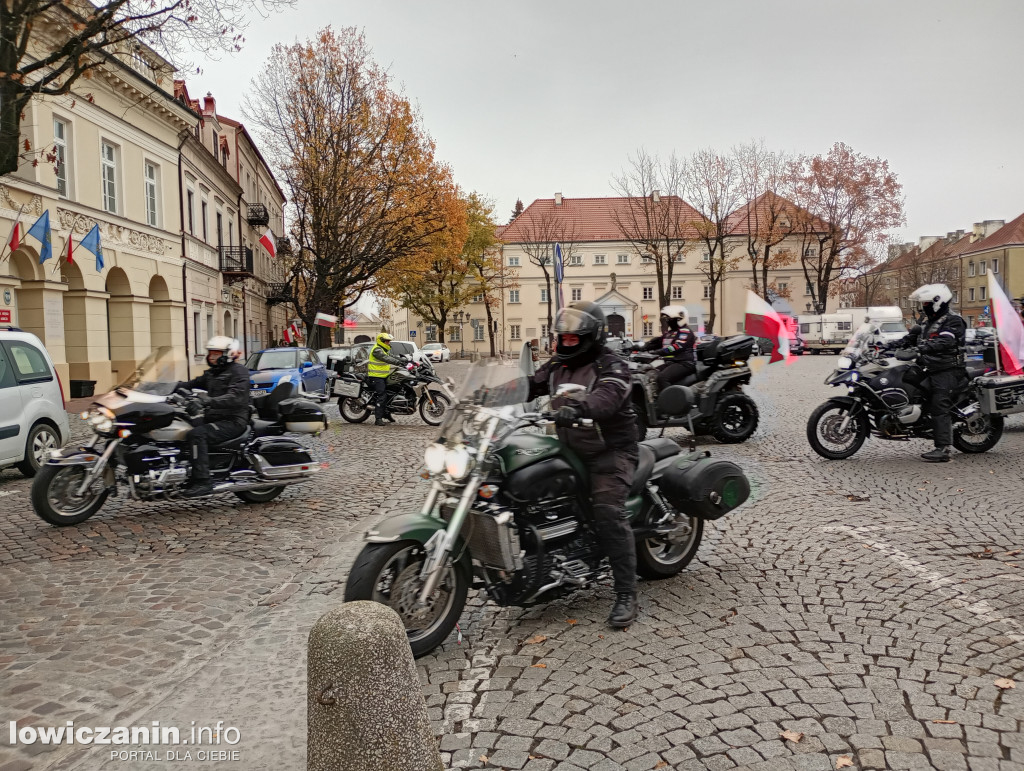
{"x": 764, "y": 272}
{"x": 712, "y": 293}
{"x": 490, "y": 325}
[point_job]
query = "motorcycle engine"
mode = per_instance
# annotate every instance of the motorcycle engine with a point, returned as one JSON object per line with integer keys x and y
{"x": 890, "y": 426}
{"x": 155, "y": 471}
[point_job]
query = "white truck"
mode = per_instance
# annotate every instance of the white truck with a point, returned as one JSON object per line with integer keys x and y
{"x": 830, "y": 332}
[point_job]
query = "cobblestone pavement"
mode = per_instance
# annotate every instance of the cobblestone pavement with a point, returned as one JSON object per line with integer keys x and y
{"x": 868, "y": 604}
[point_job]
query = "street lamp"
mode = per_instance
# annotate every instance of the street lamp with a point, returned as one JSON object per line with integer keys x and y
{"x": 460, "y": 317}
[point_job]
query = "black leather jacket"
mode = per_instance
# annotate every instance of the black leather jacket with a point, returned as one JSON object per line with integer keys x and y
{"x": 675, "y": 345}
{"x": 940, "y": 343}
{"x": 228, "y": 387}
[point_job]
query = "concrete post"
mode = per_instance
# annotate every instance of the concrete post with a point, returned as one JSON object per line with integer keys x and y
{"x": 365, "y": 705}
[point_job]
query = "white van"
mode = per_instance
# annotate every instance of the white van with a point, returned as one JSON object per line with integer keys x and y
{"x": 32, "y": 416}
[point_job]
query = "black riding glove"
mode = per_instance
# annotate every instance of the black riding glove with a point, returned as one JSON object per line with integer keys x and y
{"x": 204, "y": 399}
{"x": 193, "y": 408}
{"x": 567, "y": 416}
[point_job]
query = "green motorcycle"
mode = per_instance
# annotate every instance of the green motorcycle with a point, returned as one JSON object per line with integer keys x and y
{"x": 509, "y": 511}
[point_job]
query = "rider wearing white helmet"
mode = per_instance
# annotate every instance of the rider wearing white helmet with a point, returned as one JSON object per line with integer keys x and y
{"x": 675, "y": 346}
{"x": 226, "y": 404}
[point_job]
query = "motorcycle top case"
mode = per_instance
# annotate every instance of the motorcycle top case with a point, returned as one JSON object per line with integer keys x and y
{"x": 704, "y": 487}
{"x": 302, "y": 416}
{"x": 1001, "y": 394}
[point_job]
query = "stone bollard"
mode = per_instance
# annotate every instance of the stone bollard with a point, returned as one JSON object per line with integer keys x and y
{"x": 365, "y": 704}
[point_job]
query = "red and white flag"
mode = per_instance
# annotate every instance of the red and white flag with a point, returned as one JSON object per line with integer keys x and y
{"x": 287, "y": 334}
{"x": 326, "y": 320}
{"x": 763, "y": 321}
{"x": 1009, "y": 329}
{"x": 269, "y": 243}
{"x": 15, "y": 240}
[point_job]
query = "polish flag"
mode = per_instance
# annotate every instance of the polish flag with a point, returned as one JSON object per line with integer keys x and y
{"x": 70, "y": 241}
{"x": 269, "y": 243}
{"x": 763, "y": 321}
{"x": 296, "y": 329}
{"x": 15, "y": 240}
{"x": 326, "y": 320}
{"x": 1009, "y": 328}
{"x": 288, "y": 335}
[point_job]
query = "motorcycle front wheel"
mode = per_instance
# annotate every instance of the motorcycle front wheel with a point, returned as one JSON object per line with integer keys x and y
{"x": 55, "y": 496}
{"x": 353, "y": 410}
{"x": 389, "y": 573}
{"x": 979, "y": 433}
{"x": 828, "y": 437}
{"x": 735, "y": 418}
{"x": 433, "y": 414}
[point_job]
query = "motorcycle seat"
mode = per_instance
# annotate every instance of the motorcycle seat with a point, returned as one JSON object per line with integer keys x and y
{"x": 238, "y": 441}
{"x": 696, "y": 377}
{"x": 651, "y": 451}
{"x": 662, "y": 447}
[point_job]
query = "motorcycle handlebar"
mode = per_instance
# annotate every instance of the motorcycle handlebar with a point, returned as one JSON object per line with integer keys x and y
{"x": 581, "y": 423}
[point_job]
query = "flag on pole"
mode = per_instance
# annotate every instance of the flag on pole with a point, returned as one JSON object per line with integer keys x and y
{"x": 763, "y": 321}
{"x": 326, "y": 320}
{"x": 71, "y": 240}
{"x": 287, "y": 335}
{"x": 559, "y": 275}
{"x": 41, "y": 232}
{"x": 269, "y": 243}
{"x": 91, "y": 243}
{"x": 1009, "y": 328}
{"x": 14, "y": 240}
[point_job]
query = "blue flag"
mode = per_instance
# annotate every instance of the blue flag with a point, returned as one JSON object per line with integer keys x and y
{"x": 91, "y": 242}
{"x": 41, "y": 232}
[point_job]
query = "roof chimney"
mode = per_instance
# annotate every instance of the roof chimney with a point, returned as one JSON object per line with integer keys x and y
{"x": 209, "y": 104}
{"x": 925, "y": 241}
{"x": 656, "y": 196}
{"x": 558, "y": 199}
{"x": 985, "y": 229}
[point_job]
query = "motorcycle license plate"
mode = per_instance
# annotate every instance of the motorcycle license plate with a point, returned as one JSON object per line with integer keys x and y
{"x": 258, "y": 392}
{"x": 346, "y": 389}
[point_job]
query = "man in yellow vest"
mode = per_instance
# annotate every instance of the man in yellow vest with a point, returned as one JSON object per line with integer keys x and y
{"x": 378, "y": 368}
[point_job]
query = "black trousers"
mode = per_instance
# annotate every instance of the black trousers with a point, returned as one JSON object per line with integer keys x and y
{"x": 201, "y": 437}
{"x": 379, "y": 386}
{"x": 674, "y": 372}
{"x": 611, "y": 476}
{"x": 942, "y": 389}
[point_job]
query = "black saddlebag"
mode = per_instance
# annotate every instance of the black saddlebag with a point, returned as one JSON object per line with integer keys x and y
{"x": 1001, "y": 394}
{"x": 704, "y": 487}
{"x": 302, "y": 416}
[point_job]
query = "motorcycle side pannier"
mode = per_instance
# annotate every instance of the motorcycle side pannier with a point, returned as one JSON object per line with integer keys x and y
{"x": 704, "y": 487}
{"x": 737, "y": 348}
{"x": 302, "y": 416}
{"x": 1001, "y": 394}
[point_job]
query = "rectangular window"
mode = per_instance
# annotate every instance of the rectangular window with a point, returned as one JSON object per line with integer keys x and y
{"x": 956, "y": 297}
{"x": 648, "y": 328}
{"x": 220, "y": 228}
{"x": 646, "y": 258}
{"x": 191, "y": 212}
{"x": 705, "y": 257}
{"x": 477, "y": 298}
{"x": 783, "y": 286}
{"x": 543, "y": 295}
{"x": 513, "y": 261}
{"x": 577, "y": 295}
{"x": 648, "y": 292}
{"x": 995, "y": 266}
{"x": 431, "y": 333}
{"x": 543, "y": 332}
{"x": 981, "y": 268}
{"x": 108, "y": 163}
{"x": 677, "y": 293}
{"x": 956, "y": 272}
{"x": 231, "y": 229}
{"x": 151, "y": 195}
{"x": 209, "y": 324}
{"x": 678, "y": 257}
{"x": 623, "y": 259}
{"x": 478, "y": 332}
{"x": 970, "y": 294}
{"x": 984, "y": 293}
{"x": 513, "y": 295}
{"x": 60, "y": 142}
{"x": 707, "y": 291}
{"x": 970, "y": 269}
{"x": 811, "y": 251}
{"x": 807, "y": 289}
{"x": 454, "y": 334}
{"x": 599, "y": 259}
{"x": 197, "y": 333}
{"x": 204, "y": 219}
{"x": 513, "y": 332}
{"x": 575, "y": 259}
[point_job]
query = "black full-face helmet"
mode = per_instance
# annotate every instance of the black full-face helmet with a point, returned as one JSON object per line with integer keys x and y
{"x": 586, "y": 321}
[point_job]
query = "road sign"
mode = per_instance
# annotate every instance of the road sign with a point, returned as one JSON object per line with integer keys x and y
{"x": 412, "y": 334}
{"x": 559, "y": 267}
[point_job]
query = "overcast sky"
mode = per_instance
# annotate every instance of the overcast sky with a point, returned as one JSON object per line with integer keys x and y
{"x": 528, "y": 98}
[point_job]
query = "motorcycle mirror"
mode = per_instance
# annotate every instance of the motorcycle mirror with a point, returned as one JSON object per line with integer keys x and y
{"x": 526, "y": 365}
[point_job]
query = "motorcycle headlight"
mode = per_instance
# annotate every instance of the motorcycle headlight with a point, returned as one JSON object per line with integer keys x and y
{"x": 844, "y": 362}
{"x": 104, "y": 425}
{"x": 434, "y": 458}
{"x": 456, "y": 462}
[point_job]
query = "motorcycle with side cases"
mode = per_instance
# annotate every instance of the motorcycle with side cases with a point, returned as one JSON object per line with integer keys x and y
{"x": 140, "y": 442}
{"x": 413, "y": 386}
{"x": 508, "y": 511}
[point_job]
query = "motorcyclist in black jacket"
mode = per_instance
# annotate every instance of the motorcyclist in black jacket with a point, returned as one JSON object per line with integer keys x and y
{"x": 676, "y": 346}
{"x": 225, "y": 407}
{"x": 610, "y": 449}
{"x": 940, "y": 341}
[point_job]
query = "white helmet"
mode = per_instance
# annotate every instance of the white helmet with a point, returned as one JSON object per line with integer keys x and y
{"x": 677, "y": 312}
{"x": 936, "y": 294}
{"x": 231, "y": 349}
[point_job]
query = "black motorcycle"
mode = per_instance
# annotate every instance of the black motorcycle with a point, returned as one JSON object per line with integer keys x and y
{"x": 139, "y": 443}
{"x": 884, "y": 399}
{"x": 410, "y": 387}
{"x": 723, "y": 410}
{"x": 508, "y": 511}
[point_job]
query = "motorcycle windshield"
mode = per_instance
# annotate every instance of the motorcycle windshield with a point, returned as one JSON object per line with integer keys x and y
{"x": 153, "y": 375}
{"x": 494, "y": 383}
{"x": 861, "y": 341}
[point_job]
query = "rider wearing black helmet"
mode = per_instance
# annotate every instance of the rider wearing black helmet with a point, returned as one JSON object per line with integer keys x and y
{"x": 610, "y": 451}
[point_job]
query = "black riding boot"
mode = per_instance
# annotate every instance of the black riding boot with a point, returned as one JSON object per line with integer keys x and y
{"x": 623, "y": 611}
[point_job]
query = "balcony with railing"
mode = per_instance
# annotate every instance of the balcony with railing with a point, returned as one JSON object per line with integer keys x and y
{"x": 278, "y": 293}
{"x": 258, "y": 215}
{"x": 284, "y": 245}
{"x": 236, "y": 261}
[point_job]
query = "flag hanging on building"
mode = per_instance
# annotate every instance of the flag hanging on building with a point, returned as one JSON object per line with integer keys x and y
{"x": 326, "y": 320}
{"x": 41, "y": 232}
{"x": 763, "y": 321}
{"x": 71, "y": 241}
{"x": 15, "y": 240}
{"x": 287, "y": 334}
{"x": 269, "y": 243}
{"x": 91, "y": 243}
{"x": 1009, "y": 329}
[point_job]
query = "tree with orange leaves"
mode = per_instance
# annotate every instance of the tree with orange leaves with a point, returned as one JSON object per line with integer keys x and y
{"x": 846, "y": 203}
{"x": 365, "y": 186}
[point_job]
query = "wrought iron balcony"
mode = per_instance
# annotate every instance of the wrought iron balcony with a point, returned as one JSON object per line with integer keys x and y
{"x": 278, "y": 293}
{"x": 284, "y": 245}
{"x": 258, "y": 215}
{"x": 236, "y": 260}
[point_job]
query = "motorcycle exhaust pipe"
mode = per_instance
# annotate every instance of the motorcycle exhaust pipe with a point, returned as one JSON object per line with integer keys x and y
{"x": 256, "y": 484}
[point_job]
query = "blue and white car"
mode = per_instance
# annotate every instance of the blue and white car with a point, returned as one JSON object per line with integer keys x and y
{"x": 299, "y": 366}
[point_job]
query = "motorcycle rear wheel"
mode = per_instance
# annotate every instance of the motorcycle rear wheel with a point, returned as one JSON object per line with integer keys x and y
{"x": 735, "y": 418}
{"x": 54, "y": 499}
{"x": 388, "y": 573}
{"x": 823, "y": 427}
{"x": 663, "y": 557}
{"x": 263, "y": 495}
{"x": 348, "y": 406}
{"x": 979, "y": 436}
